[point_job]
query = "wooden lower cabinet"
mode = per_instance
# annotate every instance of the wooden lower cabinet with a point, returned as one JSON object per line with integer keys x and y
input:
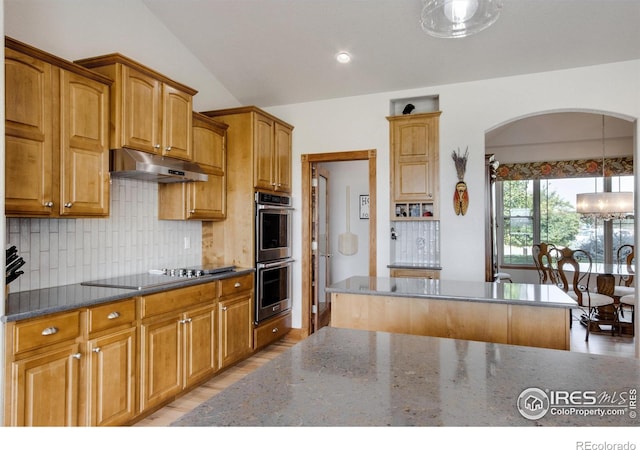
{"x": 179, "y": 348}
{"x": 112, "y": 378}
{"x": 415, "y": 273}
{"x": 43, "y": 371}
{"x": 113, "y": 363}
{"x": 534, "y": 326}
{"x": 271, "y": 330}
{"x": 236, "y": 331}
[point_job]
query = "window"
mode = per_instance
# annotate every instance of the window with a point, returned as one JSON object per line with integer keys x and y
{"x": 544, "y": 210}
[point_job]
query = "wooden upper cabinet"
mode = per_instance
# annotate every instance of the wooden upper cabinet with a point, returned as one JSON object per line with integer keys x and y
{"x": 200, "y": 200}
{"x": 263, "y": 139}
{"x": 414, "y": 165}
{"x": 150, "y": 112}
{"x": 84, "y": 157}
{"x": 282, "y": 158}
{"x": 29, "y": 84}
{"x": 56, "y": 136}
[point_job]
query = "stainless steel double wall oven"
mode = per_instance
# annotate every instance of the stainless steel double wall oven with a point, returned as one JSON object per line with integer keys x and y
{"x": 273, "y": 255}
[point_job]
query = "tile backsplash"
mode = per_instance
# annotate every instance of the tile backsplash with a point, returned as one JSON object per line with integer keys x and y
{"x": 416, "y": 242}
{"x": 131, "y": 240}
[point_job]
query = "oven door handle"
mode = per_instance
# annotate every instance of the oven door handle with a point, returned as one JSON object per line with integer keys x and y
{"x": 274, "y": 264}
{"x": 272, "y": 207}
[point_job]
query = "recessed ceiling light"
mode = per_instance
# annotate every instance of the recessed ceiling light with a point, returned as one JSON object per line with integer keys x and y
{"x": 343, "y": 57}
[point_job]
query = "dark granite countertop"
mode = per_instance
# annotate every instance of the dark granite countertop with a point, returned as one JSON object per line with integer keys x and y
{"x": 477, "y": 291}
{"x": 342, "y": 377}
{"x": 39, "y": 302}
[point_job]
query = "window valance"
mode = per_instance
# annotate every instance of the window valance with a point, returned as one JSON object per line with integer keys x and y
{"x": 577, "y": 168}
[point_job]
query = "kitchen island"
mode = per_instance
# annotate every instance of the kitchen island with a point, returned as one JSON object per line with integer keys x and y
{"x": 508, "y": 313}
{"x": 353, "y": 378}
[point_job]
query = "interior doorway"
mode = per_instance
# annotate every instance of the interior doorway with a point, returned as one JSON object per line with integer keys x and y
{"x": 321, "y": 248}
{"x": 315, "y": 305}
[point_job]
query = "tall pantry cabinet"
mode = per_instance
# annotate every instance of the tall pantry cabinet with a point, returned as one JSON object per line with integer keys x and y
{"x": 258, "y": 159}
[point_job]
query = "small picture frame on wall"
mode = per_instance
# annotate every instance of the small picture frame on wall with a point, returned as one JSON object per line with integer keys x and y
{"x": 364, "y": 206}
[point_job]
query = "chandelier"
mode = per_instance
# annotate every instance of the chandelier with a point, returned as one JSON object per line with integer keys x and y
{"x": 605, "y": 205}
{"x": 458, "y": 18}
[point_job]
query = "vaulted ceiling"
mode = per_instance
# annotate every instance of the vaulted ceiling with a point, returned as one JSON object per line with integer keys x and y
{"x": 274, "y": 52}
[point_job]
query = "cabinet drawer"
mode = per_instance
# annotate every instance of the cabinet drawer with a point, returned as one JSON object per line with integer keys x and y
{"x": 178, "y": 299}
{"x": 230, "y": 286}
{"x": 111, "y": 315}
{"x": 415, "y": 273}
{"x": 271, "y": 331}
{"x": 48, "y": 330}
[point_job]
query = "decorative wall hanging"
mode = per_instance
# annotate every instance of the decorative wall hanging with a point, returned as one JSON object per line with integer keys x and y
{"x": 461, "y": 195}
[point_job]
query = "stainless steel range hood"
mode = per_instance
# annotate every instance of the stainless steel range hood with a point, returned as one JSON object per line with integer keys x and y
{"x": 127, "y": 163}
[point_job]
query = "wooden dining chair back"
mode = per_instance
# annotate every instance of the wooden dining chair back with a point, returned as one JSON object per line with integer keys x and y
{"x": 625, "y": 257}
{"x": 574, "y": 271}
{"x": 542, "y": 258}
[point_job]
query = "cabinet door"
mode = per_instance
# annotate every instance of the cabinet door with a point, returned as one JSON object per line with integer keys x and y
{"x": 141, "y": 121}
{"x": 200, "y": 344}
{"x": 207, "y": 199}
{"x": 413, "y": 145}
{"x": 84, "y": 157}
{"x": 112, "y": 378}
{"x": 28, "y": 135}
{"x": 176, "y": 123}
{"x": 236, "y": 330}
{"x": 161, "y": 366}
{"x": 263, "y": 153}
{"x": 45, "y": 389}
{"x": 282, "y": 158}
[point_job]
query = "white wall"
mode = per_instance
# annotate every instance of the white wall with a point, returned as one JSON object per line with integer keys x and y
{"x": 354, "y": 174}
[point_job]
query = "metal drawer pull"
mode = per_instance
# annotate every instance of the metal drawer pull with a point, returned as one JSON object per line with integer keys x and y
{"x": 113, "y": 315}
{"x": 275, "y": 330}
{"x": 237, "y": 285}
{"x": 183, "y": 321}
{"x": 49, "y": 331}
{"x": 76, "y": 355}
{"x": 96, "y": 350}
{"x": 224, "y": 308}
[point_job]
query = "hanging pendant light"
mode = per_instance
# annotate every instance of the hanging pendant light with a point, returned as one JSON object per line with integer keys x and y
{"x": 458, "y": 18}
{"x": 605, "y": 205}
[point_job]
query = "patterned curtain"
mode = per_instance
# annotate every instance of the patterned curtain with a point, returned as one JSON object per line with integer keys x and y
{"x": 565, "y": 169}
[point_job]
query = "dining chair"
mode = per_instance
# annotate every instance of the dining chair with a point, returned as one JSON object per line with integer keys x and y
{"x": 575, "y": 282}
{"x": 542, "y": 259}
{"x": 630, "y": 302}
{"x": 625, "y": 256}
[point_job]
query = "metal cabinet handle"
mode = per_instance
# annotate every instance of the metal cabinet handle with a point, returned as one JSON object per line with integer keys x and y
{"x": 48, "y": 204}
{"x": 237, "y": 285}
{"x": 183, "y": 321}
{"x": 167, "y": 149}
{"x": 68, "y": 205}
{"x": 275, "y": 330}
{"x": 96, "y": 350}
{"x": 76, "y": 355}
{"x": 49, "y": 331}
{"x": 157, "y": 146}
{"x": 224, "y": 308}
{"x": 113, "y": 315}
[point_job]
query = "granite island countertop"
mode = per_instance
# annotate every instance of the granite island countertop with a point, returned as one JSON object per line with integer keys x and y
{"x": 478, "y": 291}
{"x": 342, "y": 377}
{"x": 39, "y": 302}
